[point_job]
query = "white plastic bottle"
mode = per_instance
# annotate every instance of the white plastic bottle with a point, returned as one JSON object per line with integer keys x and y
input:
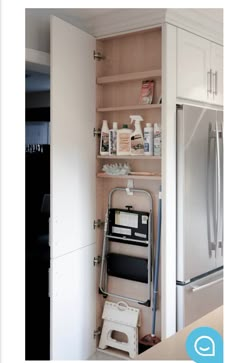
{"x": 113, "y": 139}
{"x": 123, "y": 140}
{"x": 137, "y": 142}
{"x": 148, "y": 139}
{"x": 157, "y": 139}
{"x": 104, "y": 141}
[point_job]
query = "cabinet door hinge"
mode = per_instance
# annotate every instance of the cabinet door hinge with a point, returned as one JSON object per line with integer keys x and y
{"x": 97, "y": 332}
{"x": 98, "y": 224}
{"x": 98, "y": 55}
{"x": 96, "y": 132}
{"x": 97, "y": 260}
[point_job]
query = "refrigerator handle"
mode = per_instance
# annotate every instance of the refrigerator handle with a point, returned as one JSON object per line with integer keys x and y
{"x": 211, "y": 245}
{"x": 218, "y": 186}
{"x": 221, "y": 136}
{"x": 200, "y": 287}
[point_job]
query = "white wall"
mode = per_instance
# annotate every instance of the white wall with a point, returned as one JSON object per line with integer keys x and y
{"x": 37, "y": 31}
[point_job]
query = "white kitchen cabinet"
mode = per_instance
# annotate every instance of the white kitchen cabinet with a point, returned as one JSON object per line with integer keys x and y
{"x": 217, "y": 73}
{"x": 73, "y": 305}
{"x": 199, "y": 69}
{"x": 84, "y": 91}
{"x": 73, "y": 188}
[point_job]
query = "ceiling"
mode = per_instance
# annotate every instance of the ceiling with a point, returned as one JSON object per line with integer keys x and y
{"x": 103, "y": 21}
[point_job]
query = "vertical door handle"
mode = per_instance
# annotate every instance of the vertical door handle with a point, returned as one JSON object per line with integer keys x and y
{"x": 218, "y": 186}
{"x": 221, "y": 243}
{"x": 215, "y": 83}
{"x": 209, "y": 81}
{"x": 210, "y": 216}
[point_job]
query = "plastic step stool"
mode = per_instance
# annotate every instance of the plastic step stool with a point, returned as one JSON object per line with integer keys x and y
{"x": 122, "y": 318}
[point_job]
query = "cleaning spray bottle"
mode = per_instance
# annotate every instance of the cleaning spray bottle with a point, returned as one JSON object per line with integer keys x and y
{"x": 137, "y": 143}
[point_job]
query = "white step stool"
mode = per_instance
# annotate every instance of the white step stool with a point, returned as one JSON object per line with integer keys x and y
{"x": 122, "y": 318}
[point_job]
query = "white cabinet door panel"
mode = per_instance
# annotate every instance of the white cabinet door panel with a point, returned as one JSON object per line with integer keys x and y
{"x": 73, "y": 170}
{"x": 193, "y": 63}
{"x": 217, "y": 69}
{"x": 73, "y": 305}
{"x": 72, "y": 237}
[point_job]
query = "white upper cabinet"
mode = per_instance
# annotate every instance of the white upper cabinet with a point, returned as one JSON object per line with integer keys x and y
{"x": 199, "y": 69}
{"x": 193, "y": 65}
{"x": 217, "y": 73}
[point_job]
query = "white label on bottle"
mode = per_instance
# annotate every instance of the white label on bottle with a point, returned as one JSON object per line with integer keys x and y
{"x": 105, "y": 142}
{"x": 157, "y": 144}
{"x": 123, "y": 231}
{"x": 124, "y": 142}
{"x": 113, "y": 142}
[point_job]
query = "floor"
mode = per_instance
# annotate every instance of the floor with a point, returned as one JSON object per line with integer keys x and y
{"x": 104, "y": 355}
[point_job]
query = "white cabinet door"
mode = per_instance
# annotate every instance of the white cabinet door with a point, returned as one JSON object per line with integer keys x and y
{"x": 73, "y": 305}
{"x": 73, "y": 176}
{"x": 217, "y": 73}
{"x": 73, "y": 115}
{"x": 193, "y": 65}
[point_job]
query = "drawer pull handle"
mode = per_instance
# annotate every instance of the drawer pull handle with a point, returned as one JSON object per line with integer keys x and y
{"x": 197, "y": 288}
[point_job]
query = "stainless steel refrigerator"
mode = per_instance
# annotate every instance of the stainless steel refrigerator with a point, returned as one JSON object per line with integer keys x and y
{"x": 200, "y": 243}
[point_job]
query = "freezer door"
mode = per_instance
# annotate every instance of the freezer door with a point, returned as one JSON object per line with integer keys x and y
{"x": 199, "y": 298}
{"x": 196, "y": 202}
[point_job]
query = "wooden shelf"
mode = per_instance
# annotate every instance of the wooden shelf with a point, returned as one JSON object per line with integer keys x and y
{"x": 130, "y": 157}
{"x": 141, "y": 177}
{"x": 155, "y": 73}
{"x": 127, "y": 108}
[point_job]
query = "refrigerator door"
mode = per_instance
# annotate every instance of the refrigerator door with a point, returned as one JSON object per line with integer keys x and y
{"x": 220, "y": 237}
{"x": 196, "y": 192}
{"x": 199, "y": 298}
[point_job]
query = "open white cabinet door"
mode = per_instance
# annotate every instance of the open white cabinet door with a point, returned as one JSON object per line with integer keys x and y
{"x": 73, "y": 207}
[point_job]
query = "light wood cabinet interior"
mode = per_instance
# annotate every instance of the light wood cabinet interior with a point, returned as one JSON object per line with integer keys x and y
{"x": 119, "y": 79}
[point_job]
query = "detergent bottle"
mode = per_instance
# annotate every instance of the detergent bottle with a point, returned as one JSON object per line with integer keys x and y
{"x": 157, "y": 139}
{"x": 148, "y": 139}
{"x": 123, "y": 140}
{"x": 136, "y": 138}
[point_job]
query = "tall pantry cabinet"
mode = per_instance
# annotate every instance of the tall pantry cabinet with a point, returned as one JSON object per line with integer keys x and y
{"x": 84, "y": 91}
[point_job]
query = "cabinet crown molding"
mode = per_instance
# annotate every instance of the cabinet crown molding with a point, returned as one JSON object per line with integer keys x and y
{"x": 207, "y": 23}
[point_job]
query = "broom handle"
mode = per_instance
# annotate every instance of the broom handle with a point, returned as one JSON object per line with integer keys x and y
{"x": 156, "y": 272}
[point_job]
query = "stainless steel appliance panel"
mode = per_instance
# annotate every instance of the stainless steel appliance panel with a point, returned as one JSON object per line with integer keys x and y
{"x": 196, "y": 192}
{"x": 199, "y": 298}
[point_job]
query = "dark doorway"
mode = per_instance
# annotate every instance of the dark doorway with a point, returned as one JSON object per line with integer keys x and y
{"x": 37, "y": 250}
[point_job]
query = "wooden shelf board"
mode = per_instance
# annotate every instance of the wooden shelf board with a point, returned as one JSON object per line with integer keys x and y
{"x": 130, "y": 157}
{"x": 155, "y": 73}
{"x": 146, "y": 177}
{"x": 126, "y": 108}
